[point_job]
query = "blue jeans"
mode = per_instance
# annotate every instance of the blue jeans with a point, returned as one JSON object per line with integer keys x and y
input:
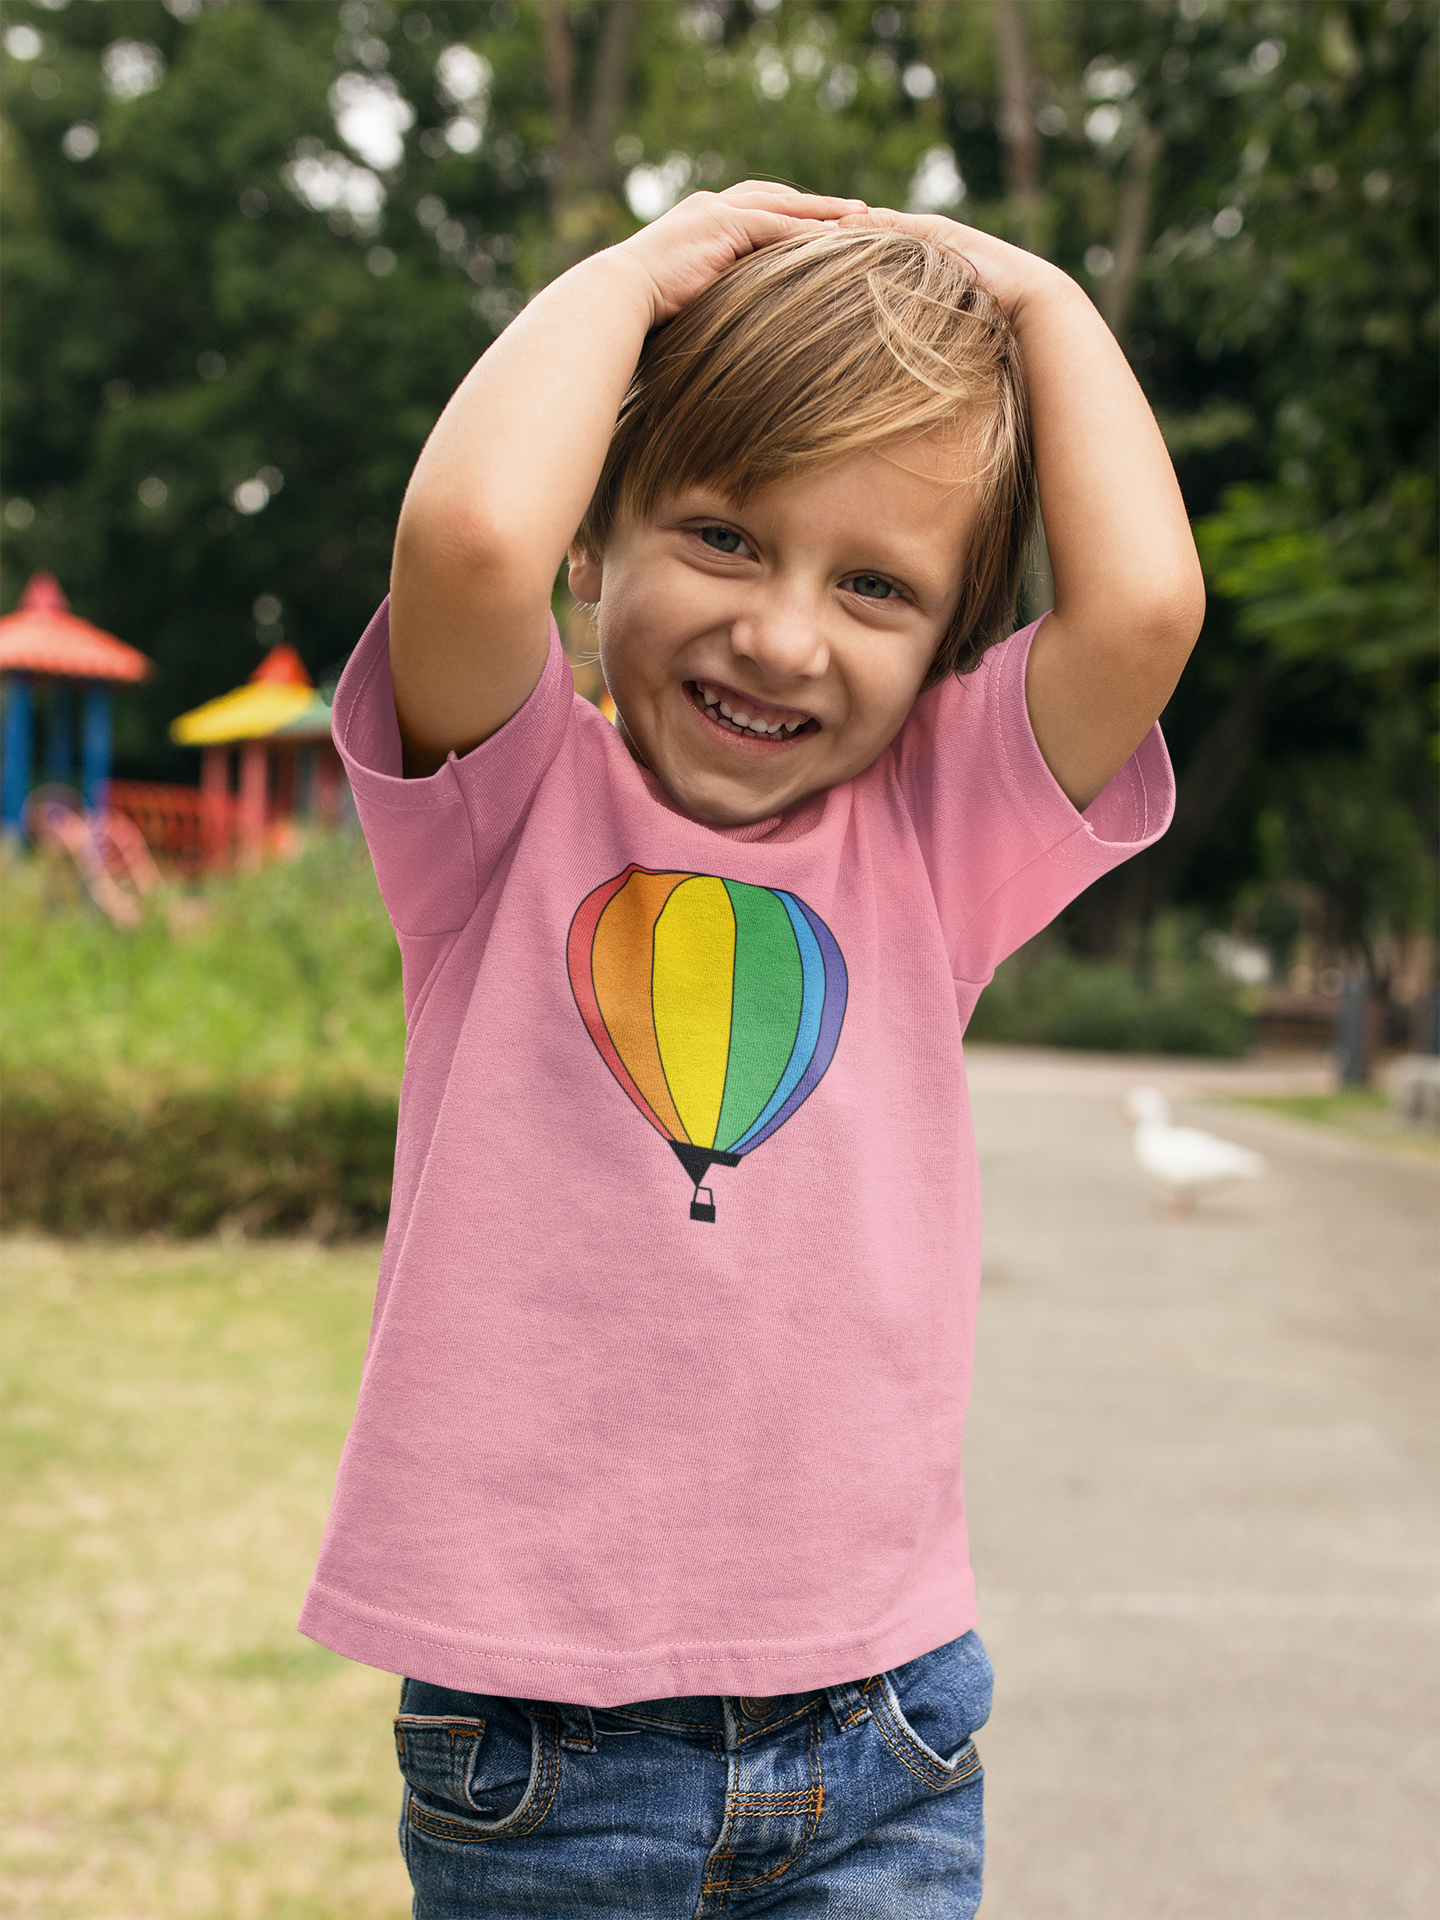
{"x": 861, "y": 1800}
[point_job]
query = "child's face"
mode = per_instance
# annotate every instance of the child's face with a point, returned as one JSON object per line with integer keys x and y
{"x": 814, "y": 611}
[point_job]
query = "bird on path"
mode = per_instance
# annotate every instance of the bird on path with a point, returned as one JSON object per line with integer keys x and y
{"x": 1185, "y": 1160}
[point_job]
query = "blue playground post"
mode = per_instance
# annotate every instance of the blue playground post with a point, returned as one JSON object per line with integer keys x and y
{"x": 60, "y": 734}
{"x": 15, "y": 785}
{"x": 95, "y": 744}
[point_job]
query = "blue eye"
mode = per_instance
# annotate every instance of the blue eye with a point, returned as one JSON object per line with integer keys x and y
{"x": 870, "y": 586}
{"x": 721, "y": 539}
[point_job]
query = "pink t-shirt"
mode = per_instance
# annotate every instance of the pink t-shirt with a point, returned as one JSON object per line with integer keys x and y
{"x": 671, "y": 1349}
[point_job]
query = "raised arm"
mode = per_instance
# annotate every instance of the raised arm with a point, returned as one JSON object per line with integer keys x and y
{"x": 1129, "y": 595}
{"x": 506, "y": 476}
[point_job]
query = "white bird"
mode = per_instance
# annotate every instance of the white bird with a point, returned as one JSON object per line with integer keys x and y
{"x": 1184, "y": 1160}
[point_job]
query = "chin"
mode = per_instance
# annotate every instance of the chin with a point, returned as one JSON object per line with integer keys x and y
{"x": 715, "y": 810}
{"x": 715, "y": 807}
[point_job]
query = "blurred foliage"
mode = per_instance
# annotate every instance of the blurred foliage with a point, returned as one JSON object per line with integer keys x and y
{"x": 1345, "y": 831}
{"x": 282, "y": 978}
{"x": 79, "y": 1158}
{"x": 1171, "y": 998}
{"x": 235, "y": 1061}
{"x": 1245, "y": 186}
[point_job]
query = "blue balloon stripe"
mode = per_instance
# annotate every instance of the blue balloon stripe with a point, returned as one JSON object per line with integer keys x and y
{"x": 832, "y": 1016}
{"x": 812, "y": 1002}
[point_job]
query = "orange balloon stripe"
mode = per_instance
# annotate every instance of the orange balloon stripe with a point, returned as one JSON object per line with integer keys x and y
{"x": 577, "y": 954}
{"x": 622, "y": 962}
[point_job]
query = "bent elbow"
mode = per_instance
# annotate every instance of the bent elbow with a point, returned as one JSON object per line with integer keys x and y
{"x": 461, "y": 542}
{"x": 1171, "y": 617}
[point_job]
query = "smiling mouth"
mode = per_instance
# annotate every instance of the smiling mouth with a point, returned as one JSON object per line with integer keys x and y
{"x": 749, "y": 719}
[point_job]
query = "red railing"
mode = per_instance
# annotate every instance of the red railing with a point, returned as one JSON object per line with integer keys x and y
{"x": 185, "y": 827}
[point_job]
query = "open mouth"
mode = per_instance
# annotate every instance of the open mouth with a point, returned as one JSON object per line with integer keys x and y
{"x": 733, "y": 713}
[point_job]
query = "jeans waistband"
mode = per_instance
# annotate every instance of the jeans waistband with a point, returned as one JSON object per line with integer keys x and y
{"x": 702, "y": 1716}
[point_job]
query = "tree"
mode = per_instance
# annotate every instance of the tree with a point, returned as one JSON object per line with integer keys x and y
{"x": 585, "y": 208}
{"x": 227, "y": 330}
{"x": 1248, "y": 192}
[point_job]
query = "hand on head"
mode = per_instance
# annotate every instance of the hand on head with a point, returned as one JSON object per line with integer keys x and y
{"x": 684, "y": 249}
{"x": 1009, "y": 272}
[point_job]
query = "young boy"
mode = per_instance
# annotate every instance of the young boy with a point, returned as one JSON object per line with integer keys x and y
{"x": 653, "y": 1490}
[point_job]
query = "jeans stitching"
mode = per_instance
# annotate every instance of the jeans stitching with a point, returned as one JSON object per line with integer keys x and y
{"x": 892, "y": 1732}
{"x": 811, "y": 1801}
{"x": 440, "y": 1826}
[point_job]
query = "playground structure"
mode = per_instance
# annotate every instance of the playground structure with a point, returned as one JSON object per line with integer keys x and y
{"x": 46, "y": 650}
{"x": 278, "y": 727}
{"x": 107, "y": 848}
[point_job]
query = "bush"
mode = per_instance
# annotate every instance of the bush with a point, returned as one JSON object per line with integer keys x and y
{"x": 1178, "y": 1002}
{"x": 235, "y": 1060}
{"x": 80, "y": 1158}
{"x": 284, "y": 975}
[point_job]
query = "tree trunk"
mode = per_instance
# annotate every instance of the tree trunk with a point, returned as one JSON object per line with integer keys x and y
{"x": 1017, "y": 120}
{"x": 608, "y": 92}
{"x": 1132, "y": 232}
{"x": 559, "y": 59}
{"x": 585, "y": 112}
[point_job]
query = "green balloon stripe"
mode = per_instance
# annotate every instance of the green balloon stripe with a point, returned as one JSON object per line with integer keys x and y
{"x": 765, "y": 1011}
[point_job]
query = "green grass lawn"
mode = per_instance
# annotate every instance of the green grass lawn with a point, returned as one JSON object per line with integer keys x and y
{"x": 176, "y": 1750}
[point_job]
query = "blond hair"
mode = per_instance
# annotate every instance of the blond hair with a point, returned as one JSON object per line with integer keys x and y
{"x": 817, "y": 348}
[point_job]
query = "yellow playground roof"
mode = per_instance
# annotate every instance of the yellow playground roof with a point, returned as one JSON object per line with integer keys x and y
{"x": 278, "y": 702}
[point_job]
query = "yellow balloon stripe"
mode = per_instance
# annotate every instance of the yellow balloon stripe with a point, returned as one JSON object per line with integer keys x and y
{"x": 693, "y": 988}
{"x": 620, "y": 968}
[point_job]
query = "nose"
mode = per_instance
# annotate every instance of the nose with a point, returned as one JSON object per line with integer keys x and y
{"x": 782, "y": 632}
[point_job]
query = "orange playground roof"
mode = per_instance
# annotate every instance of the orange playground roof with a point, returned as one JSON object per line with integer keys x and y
{"x": 43, "y": 636}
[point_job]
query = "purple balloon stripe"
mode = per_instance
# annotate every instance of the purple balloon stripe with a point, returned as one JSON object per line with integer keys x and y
{"x": 837, "y": 990}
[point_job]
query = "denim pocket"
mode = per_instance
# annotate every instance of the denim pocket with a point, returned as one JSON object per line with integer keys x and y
{"x": 927, "y": 1711}
{"x": 477, "y": 1778}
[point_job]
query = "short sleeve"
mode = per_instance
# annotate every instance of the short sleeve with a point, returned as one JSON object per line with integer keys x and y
{"x": 435, "y": 842}
{"x": 1004, "y": 848}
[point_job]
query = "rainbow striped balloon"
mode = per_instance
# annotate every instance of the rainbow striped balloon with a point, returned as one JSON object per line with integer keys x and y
{"x": 716, "y": 1005}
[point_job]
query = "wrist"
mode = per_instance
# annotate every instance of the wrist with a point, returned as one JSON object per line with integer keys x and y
{"x": 627, "y": 261}
{"x": 623, "y": 277}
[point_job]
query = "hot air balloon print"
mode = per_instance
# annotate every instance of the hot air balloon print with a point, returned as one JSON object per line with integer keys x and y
{"x": 716, "y": 1005}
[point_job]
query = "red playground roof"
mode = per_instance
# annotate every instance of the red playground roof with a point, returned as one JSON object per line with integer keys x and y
{"x": 43, "y": 636}
{"x": 282, "y": 667}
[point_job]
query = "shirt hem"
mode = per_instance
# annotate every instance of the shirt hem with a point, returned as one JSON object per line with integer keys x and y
{"x": 422, "y": 1651}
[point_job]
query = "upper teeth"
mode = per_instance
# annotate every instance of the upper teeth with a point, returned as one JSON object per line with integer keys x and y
{"x": 738, "y": 717}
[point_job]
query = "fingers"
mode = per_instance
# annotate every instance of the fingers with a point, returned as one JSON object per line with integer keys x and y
{"x": 876, "y": 217}
{"x": 926, "y": 226}
{"x": 773, "y": 195}
{"x": 934, "y": 228}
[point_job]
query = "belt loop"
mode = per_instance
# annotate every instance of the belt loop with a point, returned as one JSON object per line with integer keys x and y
{"x": 732, "y": 1725}
{"x": 577, "y": 1728}
{"x": 847, "y": 1703}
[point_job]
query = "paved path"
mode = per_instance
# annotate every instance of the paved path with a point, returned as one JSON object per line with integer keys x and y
{"x": 1200, "y": 1465}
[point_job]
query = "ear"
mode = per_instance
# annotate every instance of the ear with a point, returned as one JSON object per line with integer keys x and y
{"x": 585, "y": 575}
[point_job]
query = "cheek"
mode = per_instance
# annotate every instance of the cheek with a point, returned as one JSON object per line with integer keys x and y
{"x": 883, "y": 688}
{"x": 641, "y": 622}
{"x": 631, "y": 653}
